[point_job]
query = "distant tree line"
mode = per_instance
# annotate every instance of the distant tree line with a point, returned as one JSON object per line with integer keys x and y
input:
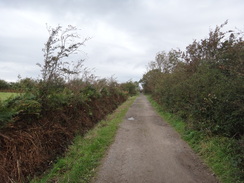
{"x": 17, "y": 86}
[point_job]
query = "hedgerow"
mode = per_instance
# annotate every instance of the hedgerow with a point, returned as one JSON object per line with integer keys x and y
{"x": 38, "y": 125}
{"x": 204, "y": 85}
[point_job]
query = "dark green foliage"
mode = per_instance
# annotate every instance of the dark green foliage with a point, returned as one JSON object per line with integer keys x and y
{"x": 130, "y": 87}
{"x": 22, "y": 85}
{"x": 27, "y": 106}
{"x": 61, "y": 95}
{"x": 22, "y": 107}
{"x": 26, "y": 85}
{"x": 150, "y": 80}
{"x": 49, "y": 112}
{"x": 5, "y": 113}
{"x": 4, "y": 85}
{"x": 89, "y": 92}
{"x": 204, "y": 85}
{"x": 225, "y": 156}
{"x": 51, "y": 126}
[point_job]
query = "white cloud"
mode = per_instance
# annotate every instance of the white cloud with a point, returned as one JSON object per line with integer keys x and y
{"x": 16, "y": 23}
{"x": 126, "y": 34}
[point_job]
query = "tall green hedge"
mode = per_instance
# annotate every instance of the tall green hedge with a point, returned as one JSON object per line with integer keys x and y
{"x": 206, "y": 86}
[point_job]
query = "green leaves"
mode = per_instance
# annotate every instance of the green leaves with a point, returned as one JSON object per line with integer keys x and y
{"x": 5, "y": 114}
{"x": 205, "y": 85}
{"x": 86, "y": 152}
{"x": 223, "y": 155}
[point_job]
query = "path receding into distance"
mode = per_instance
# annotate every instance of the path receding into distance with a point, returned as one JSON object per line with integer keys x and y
{"x": 148, "y": 150}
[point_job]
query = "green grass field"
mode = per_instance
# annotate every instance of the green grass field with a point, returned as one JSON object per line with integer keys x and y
{"x": 6, "y": 95}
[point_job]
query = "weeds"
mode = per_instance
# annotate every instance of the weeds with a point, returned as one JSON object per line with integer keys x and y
{"x": 84, "y": 155}
{"x": 223, "y": 155}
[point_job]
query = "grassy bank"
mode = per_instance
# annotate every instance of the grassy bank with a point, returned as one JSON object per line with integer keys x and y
{"x": 6, "y": 95}
{"x": 86, "y": 152}
{"x": 219, "y": 153}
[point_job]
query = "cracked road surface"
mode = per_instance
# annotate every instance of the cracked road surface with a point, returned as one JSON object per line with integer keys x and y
{"x": 148, "y": 150}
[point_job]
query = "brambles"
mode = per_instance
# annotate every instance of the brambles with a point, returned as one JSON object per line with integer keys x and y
{"x": 132, "y": 88}
{"x": 204, "y": 84}
{"x": 38, "y": 125}
{"x": 4, "y": 85}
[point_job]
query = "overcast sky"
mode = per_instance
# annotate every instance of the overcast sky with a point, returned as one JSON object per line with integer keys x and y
{"x": 126, "y": 34}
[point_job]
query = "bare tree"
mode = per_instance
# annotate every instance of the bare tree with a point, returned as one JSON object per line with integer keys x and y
{"x": 60, "y": 45}
{"x": 57, "y": 67}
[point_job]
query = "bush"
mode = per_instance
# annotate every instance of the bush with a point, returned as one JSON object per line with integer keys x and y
{"x": 5, "y": 114}
{"x": 4, "y": 85}
{"x": 130, "y": 87}
{"x": 24, "y": 106}
{"x": 205, "y": 85}
{"x": 28, "y": 107}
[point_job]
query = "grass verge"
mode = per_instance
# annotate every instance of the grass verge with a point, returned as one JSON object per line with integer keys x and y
{"x": 84, "y": 155}
{"x": 221, "y": 154}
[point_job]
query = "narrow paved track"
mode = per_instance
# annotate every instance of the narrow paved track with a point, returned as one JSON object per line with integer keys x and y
{"x": 148, "y": 150}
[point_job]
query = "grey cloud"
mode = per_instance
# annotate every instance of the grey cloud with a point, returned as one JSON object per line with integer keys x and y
{"x": 126, "y": 34}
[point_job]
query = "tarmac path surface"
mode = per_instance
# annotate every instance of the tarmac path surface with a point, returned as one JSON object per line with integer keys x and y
{"x": 147, "y": 150}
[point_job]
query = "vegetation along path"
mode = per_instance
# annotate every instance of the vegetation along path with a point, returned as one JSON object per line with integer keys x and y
{"x": 146, "y": 149}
